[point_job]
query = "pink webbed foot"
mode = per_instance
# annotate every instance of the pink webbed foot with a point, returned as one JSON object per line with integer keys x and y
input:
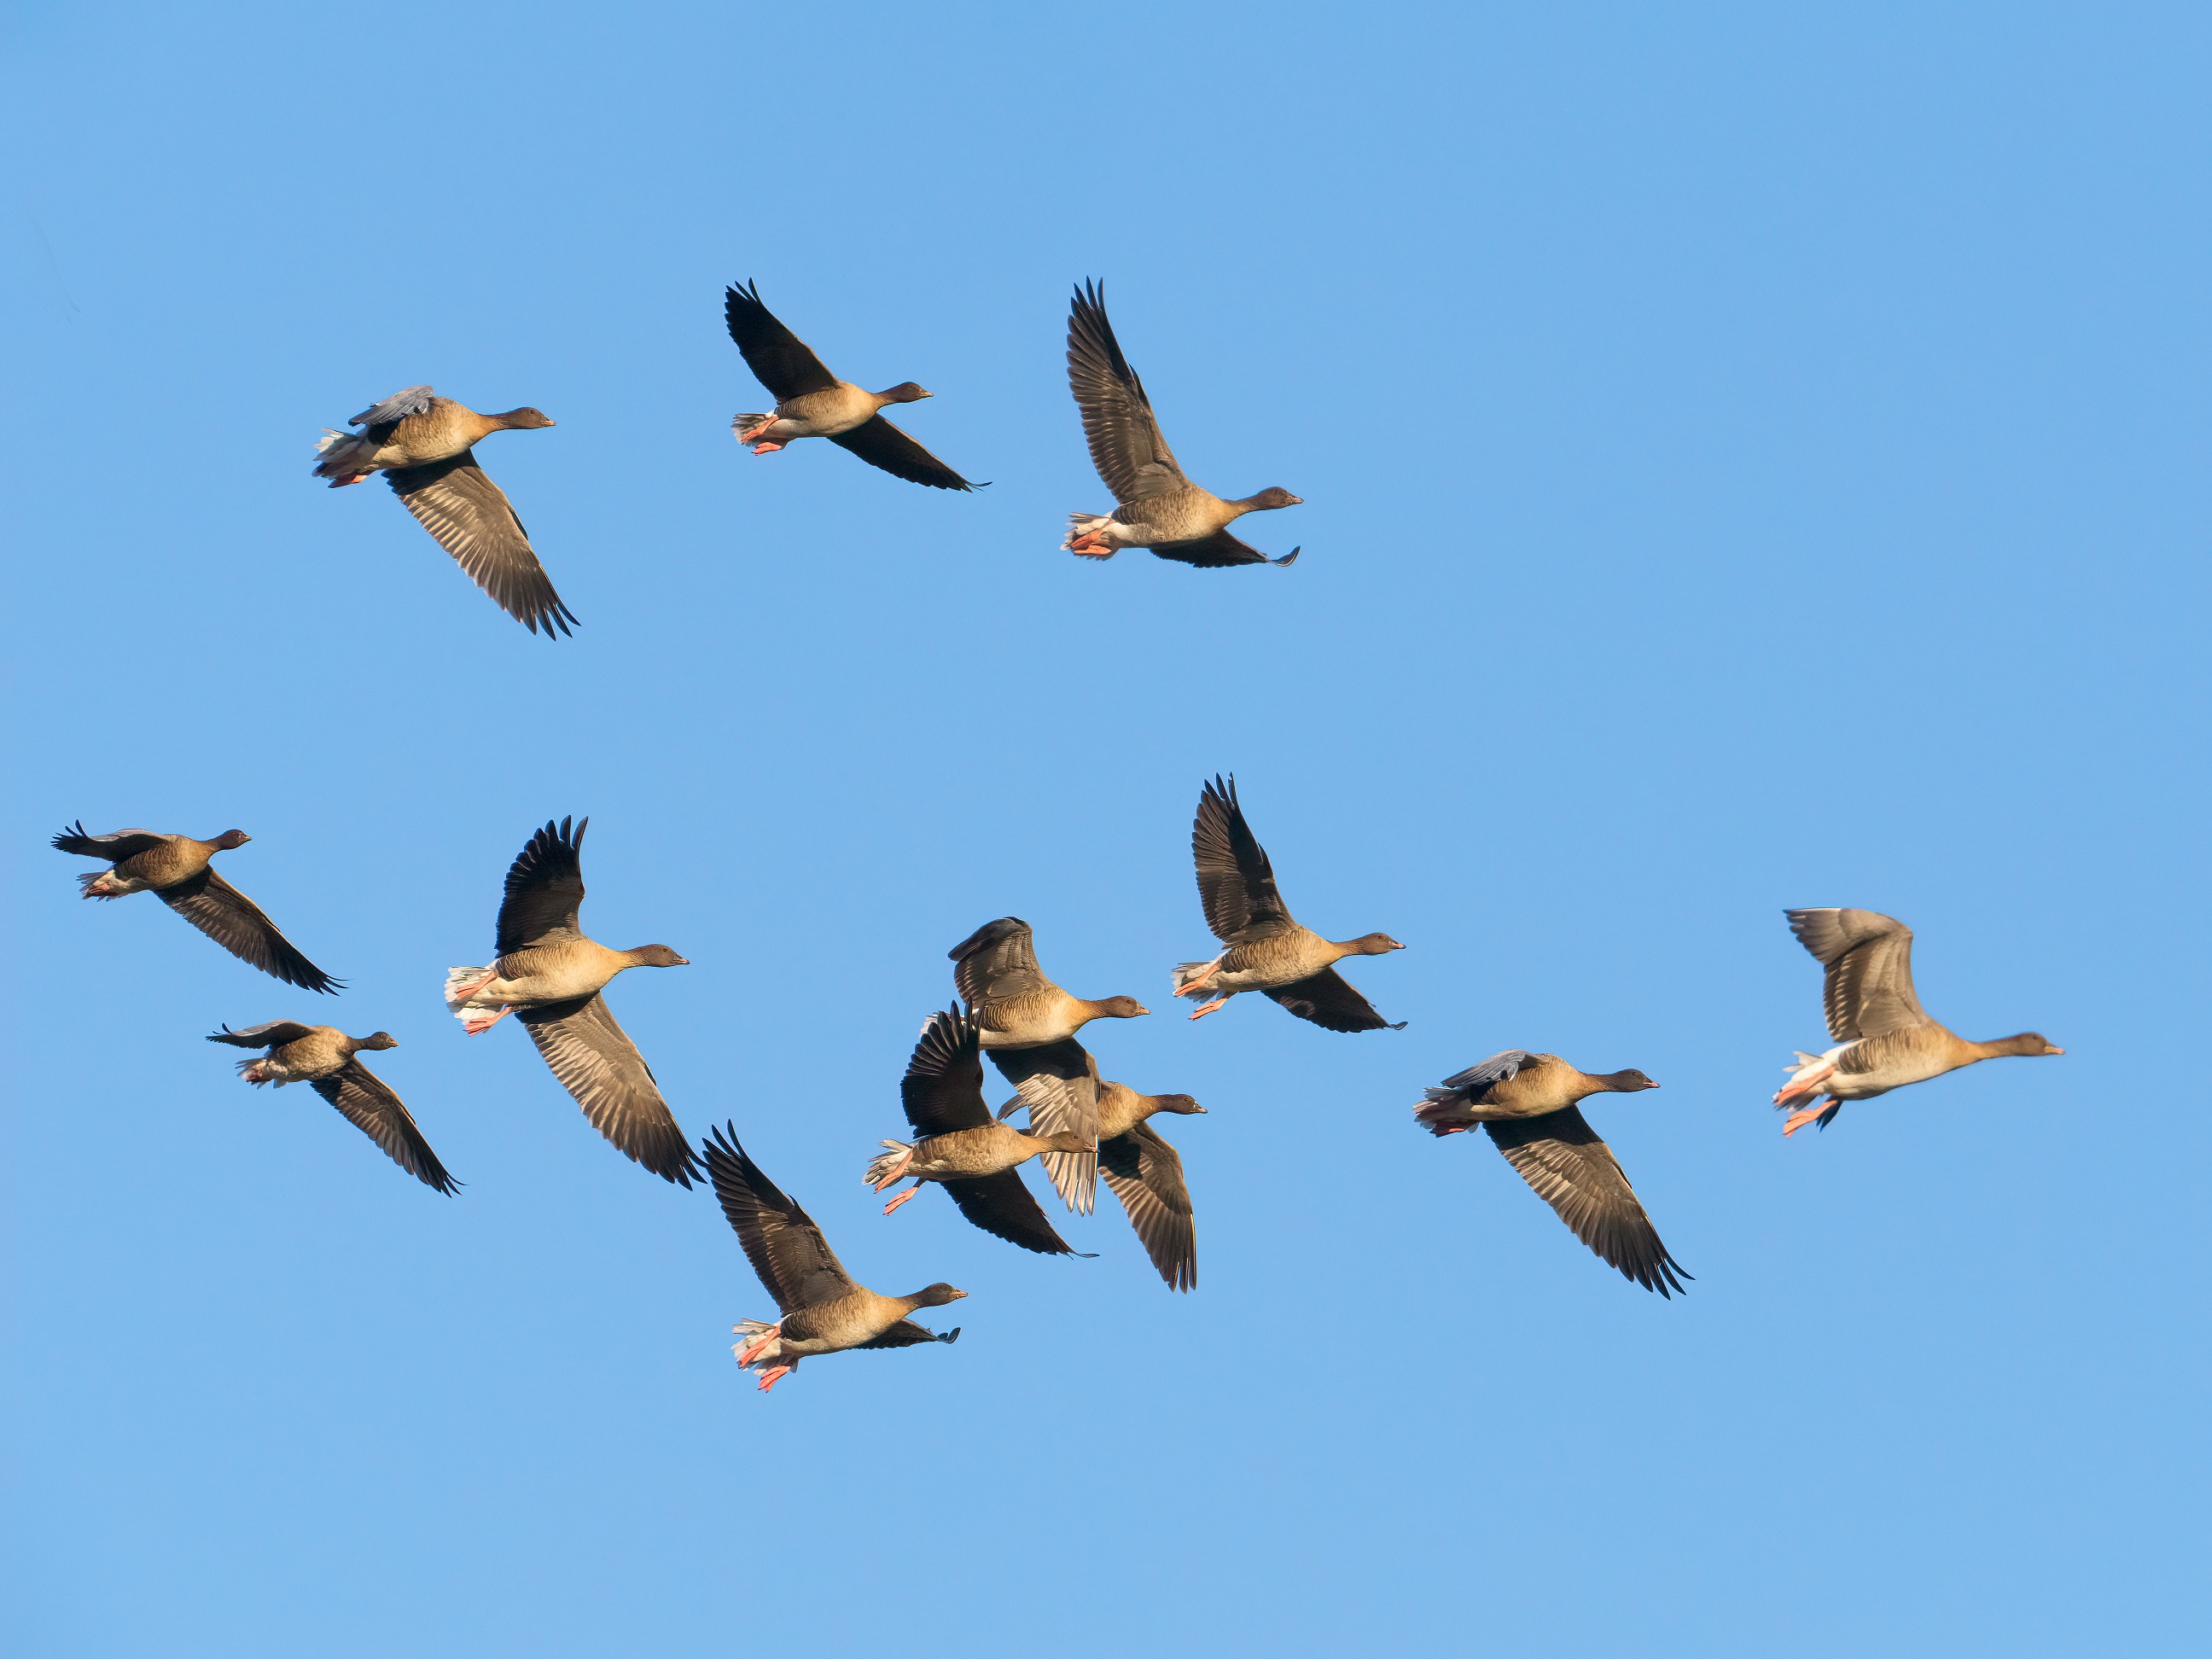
{"x": 746, "y": 1356}
{"x": 1092, "y": 547}
{"x": 901, "y": 1198}
{"x": 479, "y": 1024}
{"x": 764, "y": 447}
{"x": 1202, "y": 1011}
{"x": 894, "y": 1175}
{"x": 769, "y": 1378}
{"x": 467, "y": 991}
{"x": 1797, "y": 1120}
{"x": 350, "y": 478}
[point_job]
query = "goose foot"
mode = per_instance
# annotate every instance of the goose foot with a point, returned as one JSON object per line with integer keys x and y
{"x": 479, "y": 1025}
{"x": 746, "y": 1356}
{"x": 900, "y": 1198}
{"x": 1797, "y": 1120}
{"x": 1202, "y": 1012}
{"x": 766, "y": 448}
{"x": 769, "y": 1378}
{"x": 350, "y": 478}
{"x": 894, "y": 1175}
{"x": 1092, "y": 547}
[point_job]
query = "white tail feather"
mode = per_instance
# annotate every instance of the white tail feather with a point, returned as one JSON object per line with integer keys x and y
{"x": 458, "y": 980}
{"x": 879, "y": 1171}
{"x": 749, "y": 1331}
{"x": 1185, "y": 972}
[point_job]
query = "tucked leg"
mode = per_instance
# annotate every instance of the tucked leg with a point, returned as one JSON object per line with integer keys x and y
{"x": 476, "y": 1025}
{"x": 746, "y": 1356}
{"x": 901, "y": 1198}
{"x": 769, "y": 1378}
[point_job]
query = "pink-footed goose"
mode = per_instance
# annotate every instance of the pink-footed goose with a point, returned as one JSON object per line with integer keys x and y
{"x": 328, "y": 1061}
{"x": 424, "y": 446}
{"x": 823, "y": 1310}
{"x": 1528, "y": 1103}
{"x": 1156, "y": 506}
{"x": 176, "y": 870}
{"x": 1885, "y": 1038}
{"x": 550, "y": 975}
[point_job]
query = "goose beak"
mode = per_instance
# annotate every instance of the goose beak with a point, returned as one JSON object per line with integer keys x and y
{"x": 2053, "y": 1048}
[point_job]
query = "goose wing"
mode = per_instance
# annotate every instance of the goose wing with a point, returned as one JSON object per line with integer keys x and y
{"x": 371, "y": 1107}
{"x": 1868, "y": 990}
{"x": 544, "y": 888}
{"x": 880, "y": 444}
{"x": 116, "y": 848}
{"x": 943, "y": 1088}
{"x": 269, "y": 1034}
{"x": 905, "y": 1333}
{"x": 1236, "y": 882}
{"x": 1132, "y": 458}
{"x": 1327, "y": 1000}
{"x": 779, "y": 359}
{"x": 469, "y": 516}
{"x": 239, "y": 925}
{"x": 409, "y": 400}
{"x": 1145, "y": 1174}
{"x": 1058, "y": 1083}
{"x": 997, "y": 961}
{"x": 1219, "y": 551}
{"x": 1000, "y": 1204}
{"x": 795, "y": 1263}
{"x": 1562, "y": 1159}
{"x": 597, "y": 1063}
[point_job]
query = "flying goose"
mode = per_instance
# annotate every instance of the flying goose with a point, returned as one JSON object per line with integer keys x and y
{"x": 327, "y": 1059}
{"x": 824, "y": 1311}
{"x": 974, "y": 1156}
{"x": 1885, "y": 1038}
{"x": 422, "y": 445}
{"x": 996, "y": 970}
{"x": 175, "y": 869}
{"x": 813, "y": 402}
{"x": 1143, "y": 1170}
{"x": 1157, "y": 506}
{"x": 550, "y": 975}
{"x": 1528, "y": 1103}
{"x": 1268, "y": 951}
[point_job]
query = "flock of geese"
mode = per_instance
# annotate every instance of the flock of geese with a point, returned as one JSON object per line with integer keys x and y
{"x": 1078, "y": 1124}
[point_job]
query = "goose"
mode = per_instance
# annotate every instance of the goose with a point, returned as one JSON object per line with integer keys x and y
{"x": 823, "y": 1310}
{"x": 327, "y": 1059}
{"x": 176, "y": 870}
{"x": 1885, "y": 1039}
{"x": 813, "y": 402}
{"x": 974, "y": 1156}
{"x": 1140, "y": 1167}
{"x": 550, "y": 975}
{"x": 424, "y": 444}
{"x": 995, "y": 969}
{"x": 1268, "y": 951}
{"x": 1156, "y": 506}
{"x": 1529, "y": 1104}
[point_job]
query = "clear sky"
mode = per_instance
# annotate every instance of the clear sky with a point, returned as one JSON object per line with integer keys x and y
{"x": 1753, "y": 457}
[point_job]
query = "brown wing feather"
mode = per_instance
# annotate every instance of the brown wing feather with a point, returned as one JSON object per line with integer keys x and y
{"x": 779, "y": 359}
{"x": 544, "y": 887}
{"x": 1132, "y": 458}
{"x": 1000, "y": 1204}
{"x": 370, "y": 1106}
{"x": 469, "y": 516}
{"x": 116, "y": 848}
{"x": 1219, "y": 552}
{"x": 882, "y": 445}
{"x": 1145, "y": 1174}
{"x": 1236, "y": 882}
{"x": 238, "y": 924}
{"x": 996, "y": 961}
{"x": 1868, "y": 989}
{"x": 1059, "y": 1083}
{"x": 943, "y": 1088}
{"x": 597, "y": 1063}
{"x": 1563, "y": 1160}
{"x": 794, "y": 1262}
{"x": 1327, "y": 1000}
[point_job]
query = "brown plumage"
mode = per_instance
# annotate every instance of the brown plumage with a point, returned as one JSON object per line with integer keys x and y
{"x": 175, "y": 869}
{"x": 1015, "y": 1006}
{"x": 326, "y": 1058}
{"x": 1886, "y": 1039}
{"x": 1527, "y": 1102}
{"x": 1268, "y": 951}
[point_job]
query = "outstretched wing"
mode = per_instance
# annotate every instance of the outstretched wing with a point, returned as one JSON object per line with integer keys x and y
{"x": 1059, "y": 1083}
{"x": 469, "y": 516}
{"x": 237, "y": 924}
{"x": 794, "y": 1261}
{"x": 1505, "y": 1063}
{"x": 1000, "y": 1204}
{"x": 905, "y": 1333}
{"x": 880, "y": 444}
{"x": 1560, "y": 1157}
{"x": 1329, "y": 1001}
{"x": 996, "y": 961}
{"x": 1236, "y": 882}
{"x": 1219, "y": 551}
{"x": 597, "y": 1063}
{"x": 544, "y": 887}
{"x": 410, "y": 400}
{"x": 1145, "y": 1174}
{"x": 1132, "y": 458}
{"x": 371, "y": 1107}
{"x": 269, "y": 1034}
{"x": 122, "y": 844}
{"x": 943, "y": 1088}
{"x": 1867, "y": 991}
{"x": 779, "y": 359}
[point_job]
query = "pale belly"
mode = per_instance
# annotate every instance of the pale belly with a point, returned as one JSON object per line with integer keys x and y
{"x": 556, "y": 980}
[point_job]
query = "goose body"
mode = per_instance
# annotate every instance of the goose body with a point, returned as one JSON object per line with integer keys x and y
{"x": 178, "y": 870}
{"x": 1888, "y": 1039}
{"x": 824, "y": 1309}
{"x": 1156, "y": 504}
{"x": 1015, "y": 1006}
{"x": 326, "y": 1058}
{"x": 1268, "y": 951}
{"x": 1529, "y": 1104}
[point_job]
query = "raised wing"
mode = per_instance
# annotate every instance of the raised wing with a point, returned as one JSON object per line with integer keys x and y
{"x": 794, "y": 1261}
{"x": 1329, "y": 1001}
{"x": 237, "y": 924}
{"x": 880, "y": 444}
{"x": 1219, "y": 551}
{"x": 1059, "y": 1083}
{"x": 1867, "y": 992}
{"x": 269, "y": 1034}
{"x": 1236, "y": 882}
{"x": 1132, "y": 458}
{"x": 996, "y": 961}
{"x": 412, "y": 400}
{"x": 371, "y": 1107}
{"x": 597, "y": 1063}
{"x": 1560, "y": 1157}
{"x": 1000, "y": 1204}
{"x": 779, "y": 359}
{"x": 1147, "y": 1175}
{"x": 122, "y": 844}
{"x": 469, "y": 517}
{"x": 943, "y": 1088}
{"x": 1484, "y": 1073}
{"x": 544, "y": 888}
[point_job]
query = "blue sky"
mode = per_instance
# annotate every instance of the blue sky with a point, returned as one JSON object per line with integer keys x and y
{"x": 1753, "y": 457}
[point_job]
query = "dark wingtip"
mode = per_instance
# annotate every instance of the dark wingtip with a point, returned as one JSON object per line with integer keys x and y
{"x": 1400, "y": 1026}
{"x": 952, "y": 1335}
{"x": 1288, "y": 559}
